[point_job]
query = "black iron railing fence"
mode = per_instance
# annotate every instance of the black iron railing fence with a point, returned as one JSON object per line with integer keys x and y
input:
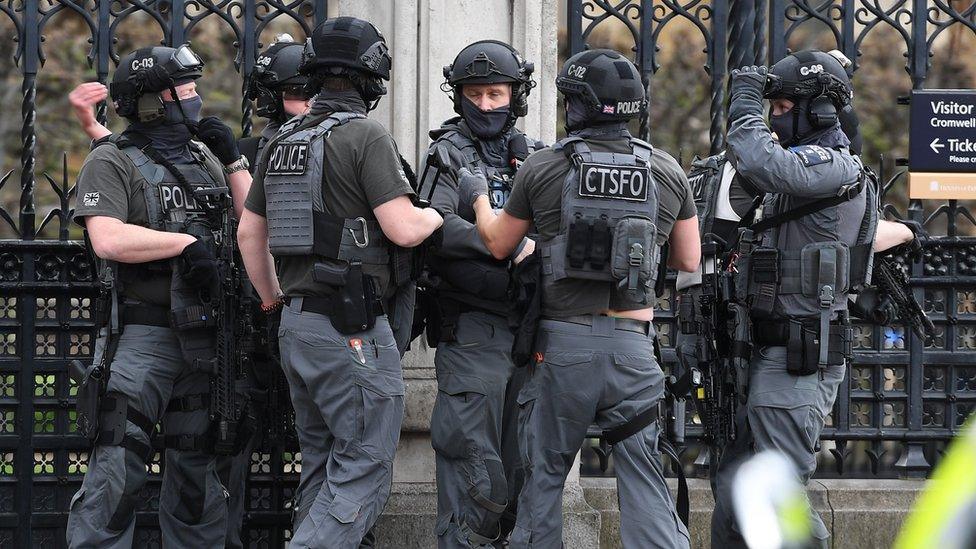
{"x": 900, "y": 403}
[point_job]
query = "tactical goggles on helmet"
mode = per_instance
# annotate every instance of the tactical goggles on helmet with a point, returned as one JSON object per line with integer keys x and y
{"x": 183, "y": 60}
{"x": 824, "y": 84}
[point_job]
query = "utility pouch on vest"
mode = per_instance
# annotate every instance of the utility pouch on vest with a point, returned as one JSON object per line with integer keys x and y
{"x": 803, "y": 349}
{"x": 824, "y": 268}
{"x": 526, "y": 295}
{"x": 91, "y": 381}
{"x": 353, "y": 304}
{"x": 633, "y": 255}
{"x": 763, "y": 279}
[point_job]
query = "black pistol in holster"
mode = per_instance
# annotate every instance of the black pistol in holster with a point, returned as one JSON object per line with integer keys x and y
{"x": 92, "y": 380}
{"x": 354, "y": 305}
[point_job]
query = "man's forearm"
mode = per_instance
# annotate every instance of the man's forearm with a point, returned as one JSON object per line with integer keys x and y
{"x": 240, "y": 184}
{"x": 127, "y": 243}
{"x": 260, "y": 269}
{"x": 252, "y": 240}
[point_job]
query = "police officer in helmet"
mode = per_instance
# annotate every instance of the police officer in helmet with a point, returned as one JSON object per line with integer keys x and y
{"x": 151, "y": 200}
{"x": 473, "y": 426}
{"x": 603, "y": 204}
{"x": 331, "y": 203}
{"x": 278, "y": 90}
{"x": 811, "y": 245}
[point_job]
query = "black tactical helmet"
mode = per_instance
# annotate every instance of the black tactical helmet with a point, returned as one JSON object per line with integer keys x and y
{"x": 491, "y": 62}
{"x": 816, "y": 82}
{"x": 150, "y": 71}
{"x": 276, "y": 72}
{"x": 347, "y": 43}
{"x": 607, "y": 83}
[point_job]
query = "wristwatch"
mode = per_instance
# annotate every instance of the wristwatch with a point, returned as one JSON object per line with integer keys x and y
{"x": 237, "y": 165}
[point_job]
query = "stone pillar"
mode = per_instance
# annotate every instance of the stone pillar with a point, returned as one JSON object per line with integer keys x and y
{"x": 424, "y": 36}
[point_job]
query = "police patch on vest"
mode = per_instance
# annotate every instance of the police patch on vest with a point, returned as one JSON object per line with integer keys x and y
{"x": 811, "y": 155}
{"x": 614, "y": 182}
{"x": 173, "y": 197}
{"x": 288, "y": 159}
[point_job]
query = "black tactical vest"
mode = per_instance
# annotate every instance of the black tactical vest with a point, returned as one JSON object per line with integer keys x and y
{"x": 608, "y": 223}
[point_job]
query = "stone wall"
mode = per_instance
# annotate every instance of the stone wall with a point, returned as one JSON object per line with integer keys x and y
{"x": 425, "y": 35}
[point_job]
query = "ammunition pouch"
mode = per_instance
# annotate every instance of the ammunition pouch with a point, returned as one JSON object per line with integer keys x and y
{"x": 740, "y": 337}
{"x": 91, "y": 381}
{"x": 763, "y": 271}
{"x": 353, "y": 307}
{"x": 803, "y": 343}
{"x": 192, "y": 317}
{"x": 525, "y": 293}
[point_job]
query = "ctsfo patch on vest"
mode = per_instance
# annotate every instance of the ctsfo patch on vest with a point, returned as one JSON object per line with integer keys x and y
{"x": 614, "y": 182}
{"x": 288, "y": 159}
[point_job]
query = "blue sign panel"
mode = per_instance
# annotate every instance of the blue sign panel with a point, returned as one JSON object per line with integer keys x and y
{"x": 942, "y": 136}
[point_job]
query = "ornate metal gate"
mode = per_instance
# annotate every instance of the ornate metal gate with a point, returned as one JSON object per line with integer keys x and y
{"x": 901, "y": 402}
{"x": 904, "y": 397}
{"x": 47, "y": 289}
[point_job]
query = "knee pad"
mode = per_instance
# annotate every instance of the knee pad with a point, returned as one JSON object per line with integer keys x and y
{"x": 493, "y": 500}
{"x": 134, "y": 480}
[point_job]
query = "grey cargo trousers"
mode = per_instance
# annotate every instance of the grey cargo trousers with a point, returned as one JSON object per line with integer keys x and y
{"x": 348, "y": 410}
{"x": 474, "y": 433}
{"x": 149, "y": 370}
{"x": 783, "y": 412}
{"x": 606, "y": 374}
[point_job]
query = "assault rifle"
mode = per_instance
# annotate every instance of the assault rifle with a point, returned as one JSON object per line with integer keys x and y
{"x": 233, "y": 318}
{"x": 896, "y": 299}
{"x": 713, "y": 379}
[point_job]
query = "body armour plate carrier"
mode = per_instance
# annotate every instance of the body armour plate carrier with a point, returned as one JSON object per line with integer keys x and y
{"x": 298, "y": 223}
{"x": 169, "y": 206}
{"x": 499, "y": 179}
{"x": 608, "y": 221}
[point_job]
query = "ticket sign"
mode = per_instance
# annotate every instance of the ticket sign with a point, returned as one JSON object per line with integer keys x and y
{"x": 942, "y": 144}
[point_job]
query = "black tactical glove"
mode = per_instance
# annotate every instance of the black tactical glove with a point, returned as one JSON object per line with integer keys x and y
{"x": 912, "y": 250}
{"x": 219, "y": 138}
{"x": 471, "y": 185}
{"x": 198, "y": 265}
{"x": 746, "y": 91}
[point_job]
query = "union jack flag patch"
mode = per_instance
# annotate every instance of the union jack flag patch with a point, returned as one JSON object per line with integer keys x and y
{"x": 609, "y": 109}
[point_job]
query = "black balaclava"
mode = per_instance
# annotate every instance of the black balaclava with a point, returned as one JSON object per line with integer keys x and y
{"x": 338, "y": 101}
{"x": 484, "y": 124}
{"x": 577, "y": 115}
{"x": 171, "y": 136}
{"x": 791, "y": 124}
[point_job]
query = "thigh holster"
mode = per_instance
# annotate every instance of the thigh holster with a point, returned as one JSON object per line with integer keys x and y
{"x": 114, "y": 413}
